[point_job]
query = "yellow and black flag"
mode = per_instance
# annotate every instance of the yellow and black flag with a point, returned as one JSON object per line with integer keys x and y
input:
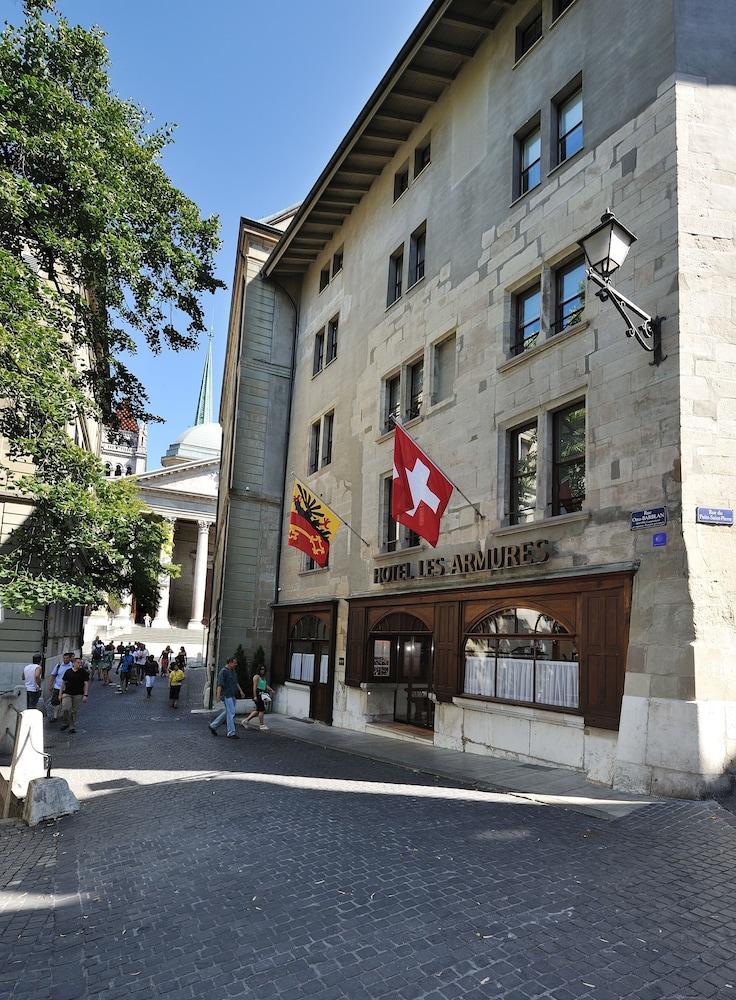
{"x": 312, "y": 525}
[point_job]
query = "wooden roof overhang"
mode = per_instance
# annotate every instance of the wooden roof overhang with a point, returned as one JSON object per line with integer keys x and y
{"x": 447, "y": 36}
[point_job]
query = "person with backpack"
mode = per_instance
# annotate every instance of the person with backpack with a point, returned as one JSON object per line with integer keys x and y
{"x": 126, "y": 665}
{"x": 56, "y": 678}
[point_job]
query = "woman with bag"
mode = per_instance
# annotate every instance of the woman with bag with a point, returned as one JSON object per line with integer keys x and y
{"x": 261, "y": 691}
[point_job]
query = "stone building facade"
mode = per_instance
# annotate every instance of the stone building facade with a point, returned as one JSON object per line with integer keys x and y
{"x": 438, "y": 277}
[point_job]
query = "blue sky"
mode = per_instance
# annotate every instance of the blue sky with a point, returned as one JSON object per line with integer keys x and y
{"x": 262, "y": 95}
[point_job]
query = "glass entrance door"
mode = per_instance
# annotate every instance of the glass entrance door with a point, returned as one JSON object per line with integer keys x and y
{"x": 412, "y": 703}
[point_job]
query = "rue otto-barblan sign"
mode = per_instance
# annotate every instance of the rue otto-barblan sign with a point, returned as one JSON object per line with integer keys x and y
{"x": 491, "y": 561}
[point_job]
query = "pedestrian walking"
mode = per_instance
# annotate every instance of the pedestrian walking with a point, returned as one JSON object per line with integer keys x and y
{"x": 98, "y": 649}
{"x": 108, "y": 659}
{"x": 126, "y": 665}
{"x": 228, "y": 690}
{"x": 147, "y": 620}
{"x": 55, "y": 678}
{"x": 165, "y": 660}
{"x": 31, "y": 677}
{"x": 150, "y": 669}
{"x": 261, "y": 690}
{"x": 182, "y": 657}
{"x": 74, "y": 691}
{"x": 140, "y": 655}
{"x": 176, "y": 679}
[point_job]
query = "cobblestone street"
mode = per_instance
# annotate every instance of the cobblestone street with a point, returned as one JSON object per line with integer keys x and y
{"x": 266, "y": 867}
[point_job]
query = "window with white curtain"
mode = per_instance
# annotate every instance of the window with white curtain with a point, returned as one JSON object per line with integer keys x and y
{"x": 522, "y": 655}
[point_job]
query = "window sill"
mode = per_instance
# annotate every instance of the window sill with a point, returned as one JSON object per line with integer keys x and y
{"x": 531, "y": 48}
{"x": 407, "y": 549}
{"x": 533, "y": 352}
{"x": 416, "y": 177}
{"x": 526, "y": 194}
{"x": 330, "y": 362}
{"x": 569, "y": 716}
{"x": 312, "y": 572}
{"x": 417, "y": 282}
{"x": 442, "y": 404}
{"x": 539, "y": 522}
{"x": 560, "y": 16}
{"x": 571, "y": 159}
{"x": 297, "y": 685}
{"x": 318, "y": 372}
{"x": 395, "y": 301}
{"x": 398, "y": 199}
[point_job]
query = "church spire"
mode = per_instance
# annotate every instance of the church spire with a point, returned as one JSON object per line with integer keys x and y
{"x": 204, "y": 403}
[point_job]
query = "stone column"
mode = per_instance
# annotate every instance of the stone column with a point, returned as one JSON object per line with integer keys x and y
{"x": 200, "y": 575}
{"x": 164, "y": 583}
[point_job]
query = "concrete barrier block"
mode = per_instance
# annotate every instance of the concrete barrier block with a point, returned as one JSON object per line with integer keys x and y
{"x": 48, "y": 798}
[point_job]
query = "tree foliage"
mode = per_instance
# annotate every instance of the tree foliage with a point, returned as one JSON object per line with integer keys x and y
{"x": 97, "y": 249}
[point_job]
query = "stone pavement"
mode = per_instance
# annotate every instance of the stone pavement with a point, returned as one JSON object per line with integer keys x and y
{"x": 269, "y": 867}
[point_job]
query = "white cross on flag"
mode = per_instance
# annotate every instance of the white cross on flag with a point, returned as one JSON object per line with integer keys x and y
{"x": 420, "y": 492}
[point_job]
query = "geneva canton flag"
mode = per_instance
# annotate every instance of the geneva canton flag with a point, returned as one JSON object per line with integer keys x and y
{"x": 420, "y": 492}
{"x": 312, "y": 525}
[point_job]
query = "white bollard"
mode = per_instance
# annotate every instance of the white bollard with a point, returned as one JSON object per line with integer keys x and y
{"x": 28, "y": 756}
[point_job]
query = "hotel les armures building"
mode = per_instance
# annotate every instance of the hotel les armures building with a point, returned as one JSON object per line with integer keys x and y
{"x": 433, "y": 275}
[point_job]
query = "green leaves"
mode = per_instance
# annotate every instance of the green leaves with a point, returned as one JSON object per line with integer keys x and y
{"x": 96, "y": 246}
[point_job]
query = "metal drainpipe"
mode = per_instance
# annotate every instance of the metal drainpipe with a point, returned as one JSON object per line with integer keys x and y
{"x": 288, "y": 433}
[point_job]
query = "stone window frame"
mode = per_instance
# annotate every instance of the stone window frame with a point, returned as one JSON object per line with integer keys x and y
{"x": 403, "y": 538}
{"x": 544, "y": 415}
{"x": 546, "y": 277}
{"x": 316, "y": 437}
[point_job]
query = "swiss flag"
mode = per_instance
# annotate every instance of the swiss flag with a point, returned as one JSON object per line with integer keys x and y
{"x": 420, "y": 492}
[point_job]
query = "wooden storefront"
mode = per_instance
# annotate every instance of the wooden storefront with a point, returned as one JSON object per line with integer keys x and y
{"x": 562, "y": 638}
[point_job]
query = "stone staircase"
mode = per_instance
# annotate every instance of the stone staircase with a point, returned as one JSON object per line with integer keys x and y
{"x": 193, "y": 640}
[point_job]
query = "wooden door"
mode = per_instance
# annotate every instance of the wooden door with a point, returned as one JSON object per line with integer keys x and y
{"x": 320, "y": 702}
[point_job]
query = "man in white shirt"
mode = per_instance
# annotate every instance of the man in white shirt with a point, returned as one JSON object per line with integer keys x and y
{"x": 32, "y": 679}
{"x": 139, "y": 658}
{"x": 55, "y": 678}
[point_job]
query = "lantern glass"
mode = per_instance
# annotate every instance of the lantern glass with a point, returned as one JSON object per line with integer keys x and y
{"x": 607, "y": 245}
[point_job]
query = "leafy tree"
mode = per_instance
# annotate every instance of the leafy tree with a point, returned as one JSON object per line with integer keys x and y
{"x": 97, "y": 247}
{"x": 242, "y": 669}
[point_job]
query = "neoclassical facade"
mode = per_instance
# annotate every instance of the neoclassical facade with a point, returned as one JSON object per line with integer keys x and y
{"x": 183, "y": 492}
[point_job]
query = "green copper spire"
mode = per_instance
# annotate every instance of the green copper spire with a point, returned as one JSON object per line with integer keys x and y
{"x": 204, "y": 403}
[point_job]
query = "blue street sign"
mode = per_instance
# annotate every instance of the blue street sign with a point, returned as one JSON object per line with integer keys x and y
{"x": 659, "y": 538}
{"x": 652, "y": 517}
{"x": 714, "y": 515}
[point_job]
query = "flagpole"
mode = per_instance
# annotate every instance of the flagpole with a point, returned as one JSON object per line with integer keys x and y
{"x": 341, "y": 519}
{"x": 475, "y": 507}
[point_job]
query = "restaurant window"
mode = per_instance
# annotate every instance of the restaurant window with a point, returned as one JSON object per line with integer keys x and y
{"x": 337, "y": 262}
{"x": 415, "y": 377}
{"x": 314, "y": 435}
{"x": 332, "y": 327}
{"x": 527, "y": 310}
{"x": 319, "y": 351}
{"x": 395, "y": 273}
{"x": 570, "y": 283}
{"x": 328, "y": 422}
{"x": 392, "y": 402}
{"x": 444, "y": 369}
{"x": 523, "y": 473}
{"x": 401, "y": 181}
{"x": 524, "y": 656}
{"x": 422, "y": 157}
{"x": 569, "y": 126}
{"x": 324, "y": 278}
{"x": 568, "y": 459}
{"x": 529, "y": 31}
{"x": 309, "y": 650}
{"x": 417, "y": 249}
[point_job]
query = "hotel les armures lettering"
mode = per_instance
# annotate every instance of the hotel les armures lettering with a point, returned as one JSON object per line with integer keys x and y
{"x": 493, "y": 560}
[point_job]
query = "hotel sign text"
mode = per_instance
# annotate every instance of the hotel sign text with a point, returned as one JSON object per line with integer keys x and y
{"x": 491, "y": 561}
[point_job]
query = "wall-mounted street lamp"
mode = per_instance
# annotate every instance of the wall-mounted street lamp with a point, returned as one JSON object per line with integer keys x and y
{"x": 605, "y": 249}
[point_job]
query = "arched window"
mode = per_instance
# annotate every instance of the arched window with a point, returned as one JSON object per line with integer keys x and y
{"x": 309, "y": 627}
{"x": 128, "y": 470}
{"x": 118, "y": 470}
{"x": 522, "y": 655}
{"x": 108, "y": 468}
